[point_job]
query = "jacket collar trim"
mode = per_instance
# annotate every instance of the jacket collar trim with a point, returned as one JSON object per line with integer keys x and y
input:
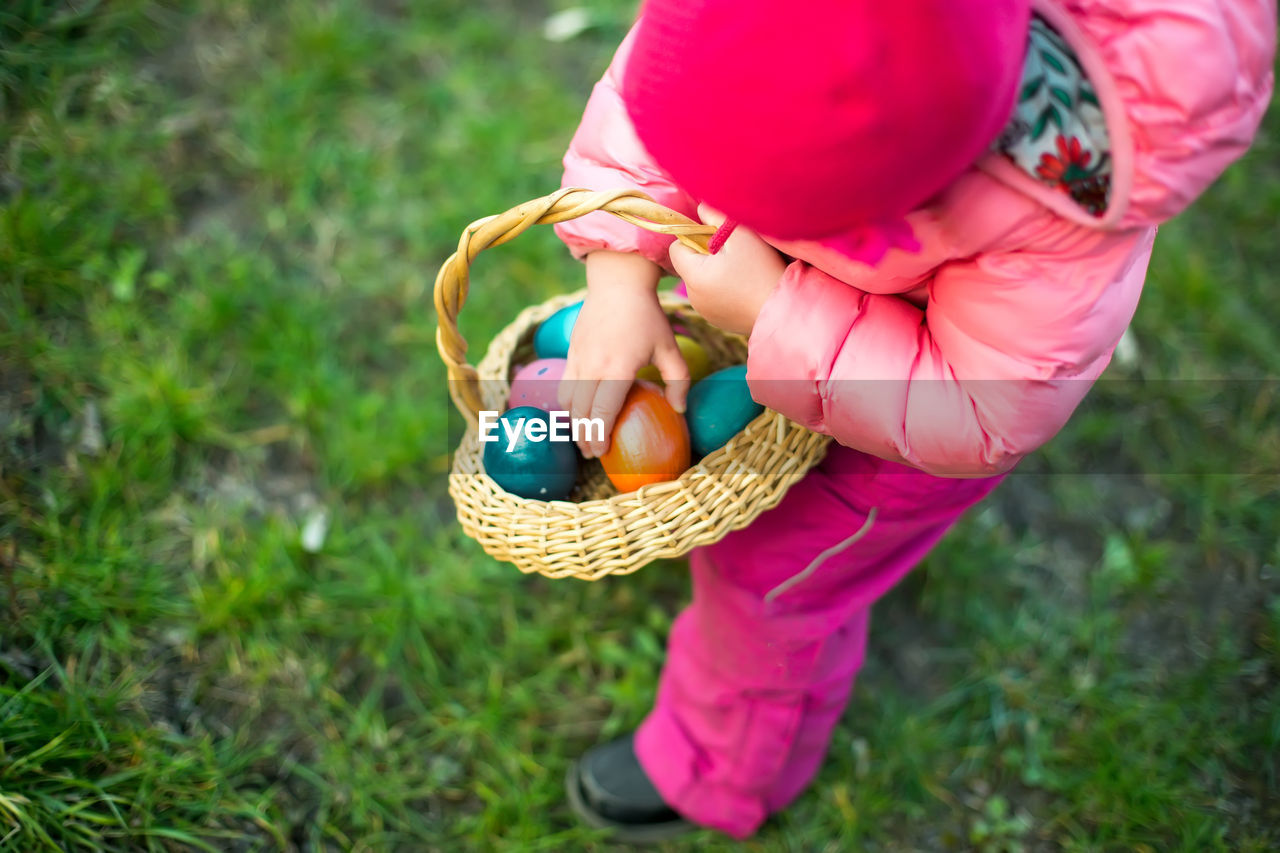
{"x": 1001, "y": 167}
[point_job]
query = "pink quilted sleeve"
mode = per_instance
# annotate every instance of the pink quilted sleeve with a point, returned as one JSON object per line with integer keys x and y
{"x": 990, "y": 369}
{"x": 605, "y": 154}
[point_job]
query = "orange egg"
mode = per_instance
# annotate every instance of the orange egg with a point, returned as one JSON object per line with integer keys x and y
{"x": 650, "y": 441}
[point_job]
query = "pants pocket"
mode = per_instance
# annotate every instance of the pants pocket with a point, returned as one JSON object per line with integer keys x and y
{"x": 772, "y": 723}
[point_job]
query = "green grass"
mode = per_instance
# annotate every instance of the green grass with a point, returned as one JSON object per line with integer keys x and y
{"x": 219, "y": 226}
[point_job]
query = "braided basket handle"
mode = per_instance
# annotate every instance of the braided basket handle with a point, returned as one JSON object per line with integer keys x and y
{"x": 454, "y": 278}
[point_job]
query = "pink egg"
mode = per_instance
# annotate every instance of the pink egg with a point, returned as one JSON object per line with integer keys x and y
{"x": 537, "y": 384}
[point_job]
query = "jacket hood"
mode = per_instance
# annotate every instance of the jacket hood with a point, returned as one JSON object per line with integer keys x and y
{"x": 1183, "y": 86}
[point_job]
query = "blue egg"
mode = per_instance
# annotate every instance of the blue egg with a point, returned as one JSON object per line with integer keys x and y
{"x": 543, "y": 469}
{"x": 553, "y": 336}
{"x": 718, "y": 408}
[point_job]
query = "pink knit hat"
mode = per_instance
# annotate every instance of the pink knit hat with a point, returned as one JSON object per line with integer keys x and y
{"x": 807, "y": 118}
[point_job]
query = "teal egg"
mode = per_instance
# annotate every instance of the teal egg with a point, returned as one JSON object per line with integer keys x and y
{"x": 718, "y": 408}
{"x": 543, "y": 469}
{"x": 552, "y": 338}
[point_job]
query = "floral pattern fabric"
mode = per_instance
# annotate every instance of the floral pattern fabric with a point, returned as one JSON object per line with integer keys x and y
{"x": 1057, "y": 133}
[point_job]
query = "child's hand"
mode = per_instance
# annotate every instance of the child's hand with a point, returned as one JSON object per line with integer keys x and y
{"x": 620, "y": 329}
{"x": 730, "y": 287}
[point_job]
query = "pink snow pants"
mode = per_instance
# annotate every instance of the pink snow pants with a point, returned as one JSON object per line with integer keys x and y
{"x": 760, "y": 664}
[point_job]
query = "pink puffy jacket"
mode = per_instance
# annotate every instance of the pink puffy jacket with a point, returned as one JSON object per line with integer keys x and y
{"x": 963, "y": 357}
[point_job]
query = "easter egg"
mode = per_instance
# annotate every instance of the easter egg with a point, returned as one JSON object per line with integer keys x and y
{"x": 537, "y": 384}
{"x": 551, "y": 340}
{"x": 650, "y": 441}
{"x": 530, "y": 467}
{"x": 695, "y": 357}
{"x": 719, "y": 407}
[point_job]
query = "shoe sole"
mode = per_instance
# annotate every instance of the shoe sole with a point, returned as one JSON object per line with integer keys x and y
{"x": 626, "y": 832}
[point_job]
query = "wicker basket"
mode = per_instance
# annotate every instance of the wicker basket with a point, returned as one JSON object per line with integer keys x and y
{"x": 598, "y": 531}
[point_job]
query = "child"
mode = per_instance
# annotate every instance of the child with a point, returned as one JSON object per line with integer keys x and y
{"x": 947, "y": 208}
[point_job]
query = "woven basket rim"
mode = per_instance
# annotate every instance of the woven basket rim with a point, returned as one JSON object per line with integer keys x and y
{"x": 619, "y": 533}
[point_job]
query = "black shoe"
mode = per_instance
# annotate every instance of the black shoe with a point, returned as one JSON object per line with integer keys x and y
{"x": 608, "y": 789}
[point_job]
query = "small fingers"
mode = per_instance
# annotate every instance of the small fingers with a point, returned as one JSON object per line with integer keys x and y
{"x": 582, "y": 394}
{"x": 685, "y": 261}
{"x": 675, "y": 374}
{"x": 564, "y": 391}
{"x": 710, "y": 216}
{"x": 609, "y": 397}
